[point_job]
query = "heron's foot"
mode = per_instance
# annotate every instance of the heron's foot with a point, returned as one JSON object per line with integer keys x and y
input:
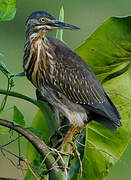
{"x": 73, "y": 133}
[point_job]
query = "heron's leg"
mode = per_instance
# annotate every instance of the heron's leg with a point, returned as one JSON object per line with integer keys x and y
{"x": 74, "y": 130}
{"x": 67, "y": 146}
{"x": 69, "y": 137}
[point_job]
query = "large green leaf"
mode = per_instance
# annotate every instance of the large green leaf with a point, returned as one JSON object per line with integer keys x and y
{"x": 7, "y": 9}
{"x": 108, "y": 53}
{"x": 108, "y": 47}
{"x": 103, "y": 146}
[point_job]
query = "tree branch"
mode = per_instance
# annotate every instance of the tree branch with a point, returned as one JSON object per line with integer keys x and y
{"x": 56, "y": 173}
{"x": 20, "y": 96}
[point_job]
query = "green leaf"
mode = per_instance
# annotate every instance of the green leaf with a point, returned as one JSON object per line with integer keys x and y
{"x": 108, "y": 52}
{"x": 18, "y": 118}
{"x": 7, "y": 9}
{"x": 59, "y": 32}
{"x": 103, "y": 146}
{"x": 108, "y": 47}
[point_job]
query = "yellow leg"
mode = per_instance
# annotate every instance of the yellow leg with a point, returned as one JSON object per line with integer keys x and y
{"x": 74, "y": 129}
{"x": 69, "y": 136}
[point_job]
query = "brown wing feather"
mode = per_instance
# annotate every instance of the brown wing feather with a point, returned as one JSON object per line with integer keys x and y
{"x": 74, "y": 79}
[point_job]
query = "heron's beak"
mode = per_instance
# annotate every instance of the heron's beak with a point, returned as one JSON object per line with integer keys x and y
{"x": 62, "y": 25}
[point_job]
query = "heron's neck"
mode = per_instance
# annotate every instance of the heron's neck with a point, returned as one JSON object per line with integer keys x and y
{"x": 35, "y": 35}
{"x": 37, "y": 38}
{"x": 36, "y": 50}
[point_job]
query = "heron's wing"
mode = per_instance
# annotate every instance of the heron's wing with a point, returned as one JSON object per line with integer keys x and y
{"x": 74, "y": 79}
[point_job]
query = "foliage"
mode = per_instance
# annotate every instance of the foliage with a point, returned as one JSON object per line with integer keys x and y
{"x": 104, "y": 147}
{"x": 7, "y": 12}
{"x": 18, "y": 117}
{"x": 7, "y": 9}
{"x": 59, "y": 33}
{"x": 10, "y": 83}
{"x": 108, "y": 52}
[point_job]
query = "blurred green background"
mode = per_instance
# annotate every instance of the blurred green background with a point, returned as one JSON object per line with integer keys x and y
{"x": 86, "y": 14}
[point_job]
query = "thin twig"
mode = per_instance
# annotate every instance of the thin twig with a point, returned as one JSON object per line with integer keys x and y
{"x": 64, "y": 165}
{"x": 44, "y": 160}
{"x": 10, "y": 160}
{"x": 9, "y": 142}
{"x": 78, "y": 156}
{"x": 21, "y": 158}
{"x": 19, "y": 150}
{"x": 60, "y": 157}
{"x": 31, "y": 170}
{"x": 83, "y": 145}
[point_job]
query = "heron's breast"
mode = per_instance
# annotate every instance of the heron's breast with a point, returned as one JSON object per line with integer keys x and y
{"x": 39, "y": 65}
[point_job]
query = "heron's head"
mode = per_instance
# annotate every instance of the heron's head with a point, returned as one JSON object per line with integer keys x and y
{"x": 43, "y": 21}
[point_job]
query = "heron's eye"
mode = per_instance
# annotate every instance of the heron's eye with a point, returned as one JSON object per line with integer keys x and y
{"x": 43, "y": 20}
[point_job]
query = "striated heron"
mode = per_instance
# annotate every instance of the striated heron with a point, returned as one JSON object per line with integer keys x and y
{"x": 62, "y": 77}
